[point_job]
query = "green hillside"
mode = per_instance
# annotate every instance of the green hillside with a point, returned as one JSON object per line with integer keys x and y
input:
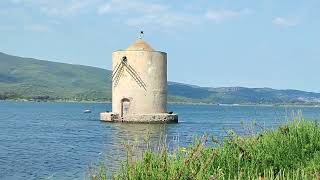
{"x": 32, "y": 79}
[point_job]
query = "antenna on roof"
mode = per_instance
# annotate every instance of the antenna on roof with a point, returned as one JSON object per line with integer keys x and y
{"x": 141, "y": 35}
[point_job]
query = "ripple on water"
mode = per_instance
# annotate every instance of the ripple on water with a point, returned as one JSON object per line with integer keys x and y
{"x": 59, "y": 141}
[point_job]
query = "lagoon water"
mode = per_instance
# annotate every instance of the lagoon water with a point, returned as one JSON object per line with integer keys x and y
{"x": 59, "y": 141}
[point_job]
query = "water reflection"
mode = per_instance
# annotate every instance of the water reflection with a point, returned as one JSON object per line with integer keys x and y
{"x": 133, "y": 139}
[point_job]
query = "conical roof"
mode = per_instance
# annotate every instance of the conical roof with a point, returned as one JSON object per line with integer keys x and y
{"x": 140, "y": 45}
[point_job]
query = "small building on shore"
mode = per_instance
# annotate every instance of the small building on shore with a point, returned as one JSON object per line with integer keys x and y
{"x": 139, "y": 86}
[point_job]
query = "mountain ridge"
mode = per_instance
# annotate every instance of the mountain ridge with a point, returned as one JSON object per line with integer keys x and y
{"x": 33, "y": 79}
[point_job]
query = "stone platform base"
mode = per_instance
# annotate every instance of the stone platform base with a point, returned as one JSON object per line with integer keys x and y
{"x": 140, "y": 118}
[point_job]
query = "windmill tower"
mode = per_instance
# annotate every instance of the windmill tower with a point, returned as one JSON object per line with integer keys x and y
{"x": 139, "y": 85}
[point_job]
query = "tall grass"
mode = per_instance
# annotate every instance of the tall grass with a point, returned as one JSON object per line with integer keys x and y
{"x": 290, "y": 152}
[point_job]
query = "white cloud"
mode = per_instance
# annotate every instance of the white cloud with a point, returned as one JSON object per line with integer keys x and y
{"x": 57, "y": 7}
{"x": 131, "y": 6}
{"x": 105, "y": 8}
{"x": 165, "y": 19}
{"x": 221, "y": 15}
{"x": 37, "y": 28}
{"x": 65, "y": 9}
{"x": 285, "y": 22}
{"x": 136, "y": 13}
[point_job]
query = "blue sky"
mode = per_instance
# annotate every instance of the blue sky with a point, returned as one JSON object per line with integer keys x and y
{"x": 263, "y": 43}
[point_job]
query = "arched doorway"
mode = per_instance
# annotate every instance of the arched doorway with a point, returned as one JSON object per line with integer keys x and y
{"x": 125, "y": 107}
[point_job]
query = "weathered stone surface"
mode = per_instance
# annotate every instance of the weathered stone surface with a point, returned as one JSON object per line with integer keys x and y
{"x": 140, "y": 118}
{"x": 151, "y": 68}
{"x": 108, "y": 116}
{"x": 139, "y": 86}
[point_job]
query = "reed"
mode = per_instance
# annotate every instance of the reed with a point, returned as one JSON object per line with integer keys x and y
{"x": 291, "y": 151}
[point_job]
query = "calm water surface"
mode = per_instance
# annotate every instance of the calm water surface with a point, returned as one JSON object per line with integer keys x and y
{"x": 59, "y": 141}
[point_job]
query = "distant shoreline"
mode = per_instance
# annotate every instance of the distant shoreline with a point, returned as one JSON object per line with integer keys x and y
{"x": 179, "y": 103}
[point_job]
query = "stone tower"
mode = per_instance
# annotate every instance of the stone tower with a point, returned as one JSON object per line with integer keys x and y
{"x": 139, "y": 85}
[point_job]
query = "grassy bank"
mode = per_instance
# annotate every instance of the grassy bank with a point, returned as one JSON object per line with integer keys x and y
{"x": 290, "y": 152}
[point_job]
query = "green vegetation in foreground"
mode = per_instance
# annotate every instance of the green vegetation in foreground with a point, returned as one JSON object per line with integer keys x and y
{"x": 290, "y": 152}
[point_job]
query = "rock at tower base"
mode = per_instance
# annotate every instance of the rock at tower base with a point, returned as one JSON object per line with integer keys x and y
{"x": 139, "y": 118}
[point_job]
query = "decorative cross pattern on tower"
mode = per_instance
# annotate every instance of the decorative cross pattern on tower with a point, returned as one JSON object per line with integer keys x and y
{"x": 116, "y": 76}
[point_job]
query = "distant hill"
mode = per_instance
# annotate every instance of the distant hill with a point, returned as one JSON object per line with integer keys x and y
{"x": 31, "y": 78}
{"x": 242, "y": 95}
{"x": 27, "y": 78}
